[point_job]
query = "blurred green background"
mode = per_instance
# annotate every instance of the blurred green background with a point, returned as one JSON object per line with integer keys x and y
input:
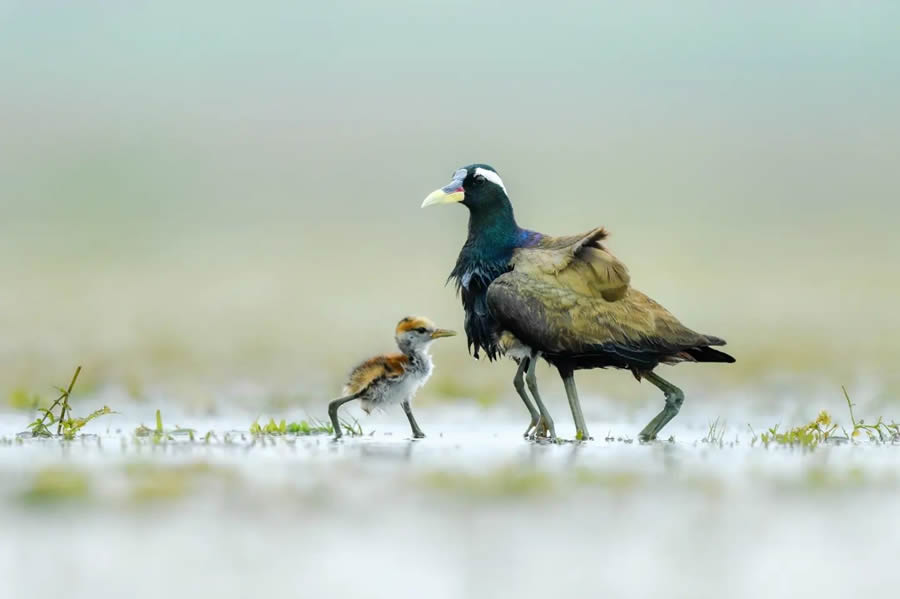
{"x": 206, "y": 193}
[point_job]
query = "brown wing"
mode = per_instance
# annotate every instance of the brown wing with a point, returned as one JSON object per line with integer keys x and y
{"x": 634, "y": 331}
{"x": 579, "y": 263}
{"x": 387, "y": 367}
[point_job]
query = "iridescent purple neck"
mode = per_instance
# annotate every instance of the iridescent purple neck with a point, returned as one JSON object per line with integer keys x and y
{"x": 527, "y": 239}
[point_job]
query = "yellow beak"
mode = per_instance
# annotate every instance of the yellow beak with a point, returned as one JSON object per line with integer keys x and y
{"x": 438, "y": 333}
{"x": 439, "y": 196}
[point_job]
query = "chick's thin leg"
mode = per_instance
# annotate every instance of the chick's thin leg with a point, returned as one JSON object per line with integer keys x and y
{"x": 333, "y": 409}
{"x": 581, "y": 431}
{"x": 416, "y": 431}
{"x": 546, "y": 421}
{"x": 519, "y": 384}
{"x": 674, "y": 399}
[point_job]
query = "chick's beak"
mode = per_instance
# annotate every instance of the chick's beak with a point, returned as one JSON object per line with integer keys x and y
{"x": 438, "y": 333}
{"x": 450, "y": 193}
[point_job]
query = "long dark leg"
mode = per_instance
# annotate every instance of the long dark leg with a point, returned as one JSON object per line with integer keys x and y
{"x": 581, "y": 431}
{"x": 674, "y": 399}
{"x": 546, "y": 420}
{"x": 416, "y": 431}
{"x": 519, "y": 384}
{"x": 333, "y": 409}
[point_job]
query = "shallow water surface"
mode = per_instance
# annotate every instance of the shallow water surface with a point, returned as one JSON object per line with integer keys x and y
{"x": 471, "y": 511}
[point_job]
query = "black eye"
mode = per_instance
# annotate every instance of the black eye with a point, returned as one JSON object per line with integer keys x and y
{"x": 421, "y": 330}
{"x": 478, "y": 179}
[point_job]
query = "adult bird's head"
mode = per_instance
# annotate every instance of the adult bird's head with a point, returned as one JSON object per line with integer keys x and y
{"x": 477, "y": 186}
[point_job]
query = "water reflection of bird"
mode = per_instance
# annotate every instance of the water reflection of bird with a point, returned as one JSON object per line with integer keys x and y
{"x": 566, "y": 299}
{"x": 393, "y": 378}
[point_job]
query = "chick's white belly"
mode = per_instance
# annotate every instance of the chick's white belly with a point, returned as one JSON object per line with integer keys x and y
{"x": 403, "y": 390}
{"x": 390, "y": 392}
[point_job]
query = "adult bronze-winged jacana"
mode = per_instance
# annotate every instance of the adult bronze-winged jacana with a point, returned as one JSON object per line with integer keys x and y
{"x": 566, "y": 299}
{"x": 393, "y": 378}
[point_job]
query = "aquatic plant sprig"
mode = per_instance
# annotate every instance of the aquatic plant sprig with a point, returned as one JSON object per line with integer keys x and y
{"x": 822, "y": 429}
{"x": 65, "y": 400}
{"x": 39, "y": 427}
{"x": 68, "y": 426}
{"x": 716, "y": 433}
{"x": 880, "y": 431}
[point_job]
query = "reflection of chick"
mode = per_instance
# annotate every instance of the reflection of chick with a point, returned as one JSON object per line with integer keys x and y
{"x": 393, "y": 378}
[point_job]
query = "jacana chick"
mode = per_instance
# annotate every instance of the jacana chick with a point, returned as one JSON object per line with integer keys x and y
{"x": 393, "y": 378}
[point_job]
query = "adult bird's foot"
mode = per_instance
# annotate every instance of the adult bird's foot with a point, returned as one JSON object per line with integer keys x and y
{"x": 419, "y": 435}
{"x": 532, "y": 428}
{"x": 542, "y": 432}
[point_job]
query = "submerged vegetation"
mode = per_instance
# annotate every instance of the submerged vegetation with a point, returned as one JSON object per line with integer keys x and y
{"x": 137, "y": 483}
{"x": 154, "y": 482}
{"x": 500, "y": 483}
{"x": 55, "y": 485}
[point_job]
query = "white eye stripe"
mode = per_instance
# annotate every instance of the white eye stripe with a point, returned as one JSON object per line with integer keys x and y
{"x": 492, "y": 177}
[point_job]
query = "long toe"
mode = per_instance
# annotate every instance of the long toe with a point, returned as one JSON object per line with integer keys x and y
{"x": 544, "y": 431}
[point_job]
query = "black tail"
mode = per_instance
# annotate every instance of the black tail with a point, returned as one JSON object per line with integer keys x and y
{"x": 708, "y": 354}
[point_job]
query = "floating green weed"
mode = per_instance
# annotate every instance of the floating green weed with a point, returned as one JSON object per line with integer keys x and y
{"x": 160, "y": 434}
{"x": 67, "y": 426}
{"x": 71, "y": 426}
{"x": 313, "y": 426}
{"x": 808, "y": 435}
